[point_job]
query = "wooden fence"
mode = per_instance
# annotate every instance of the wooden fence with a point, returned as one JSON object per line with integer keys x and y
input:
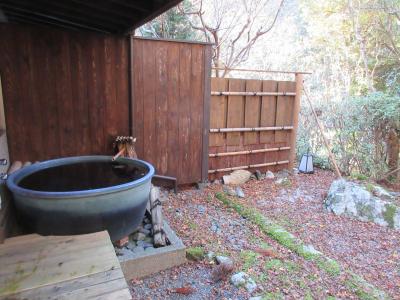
{"x": 253, "y": 124}
{"x": 65, "y": 93}
{"x": 171, "y": 84}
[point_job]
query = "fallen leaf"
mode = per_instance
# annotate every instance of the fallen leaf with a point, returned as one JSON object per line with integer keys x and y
{"x": 185, "y": 290}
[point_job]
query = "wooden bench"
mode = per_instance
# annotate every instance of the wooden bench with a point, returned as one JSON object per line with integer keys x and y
{"x": 61, "y": 267}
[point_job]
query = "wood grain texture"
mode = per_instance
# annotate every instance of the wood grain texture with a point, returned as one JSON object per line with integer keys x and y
{"x": 249, "y": 112}
{"x": 65, "y": 93}
{"x": 252, "y": 111}
{"x": 67, "y": 267}
{"x": 169, "y": 84}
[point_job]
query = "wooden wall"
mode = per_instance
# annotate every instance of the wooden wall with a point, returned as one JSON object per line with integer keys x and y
{"x": 171, "y": 84}
{"x": 65, "y": 93}
{"x": 249, "y": 111}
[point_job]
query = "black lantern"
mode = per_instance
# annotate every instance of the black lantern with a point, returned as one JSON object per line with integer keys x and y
{"x": 306, "y": 164}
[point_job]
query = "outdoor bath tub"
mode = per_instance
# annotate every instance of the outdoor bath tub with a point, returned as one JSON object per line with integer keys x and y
{"x": 82, "y": 194}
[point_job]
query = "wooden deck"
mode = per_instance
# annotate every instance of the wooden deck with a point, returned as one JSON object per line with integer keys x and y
{"x": 61, "y": 267}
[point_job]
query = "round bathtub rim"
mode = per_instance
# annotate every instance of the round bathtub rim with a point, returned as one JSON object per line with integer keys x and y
{"x": 14, "y": 178}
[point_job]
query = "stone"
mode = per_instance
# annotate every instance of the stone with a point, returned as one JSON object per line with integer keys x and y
{"x": 239, "y": 192}
{"x": 148, "y": 226}
{"x": 258, "y": 174}
{"x": 145, "y": 244}
{"x": 295, "y": 171}
{"x": 201, "y": 185}
{"x": 283, "y": 174}
{"x": 201, "y": 209}
{"x": 269, "y": 175}
{"x": 215, "y": 227}
{"x": 354, "y": 200}
{"x": 144, "y": 231}
{"x": 256, "y": 298}
{"x": 216, "y": 182}
{"x": 241, "y": 279}
{"x": 311, "y": 250}
{"x": 138, "y": 236}
{"x": 223, "y": 260}
{"x": 229, "y": 190}
{"x": 237, "y": 177}
{"x": 210, "y": 255}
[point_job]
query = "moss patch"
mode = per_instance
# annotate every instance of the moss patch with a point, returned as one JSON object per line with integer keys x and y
{"x": 359, "y": 286}
{"x": 195, "y": 253}
{"x": 388, "y": 215}
{"x": 273, "y": 296}
{"x": 249, "y": 259}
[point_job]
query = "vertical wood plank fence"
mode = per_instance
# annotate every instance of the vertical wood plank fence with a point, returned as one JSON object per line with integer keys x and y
{"x": 253, "y": 124}
{"x": 171, "y": 94}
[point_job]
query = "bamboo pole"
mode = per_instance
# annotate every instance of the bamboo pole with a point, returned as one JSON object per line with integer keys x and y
{"x": 261, "y": 71}
{"x": 216, "y": 93}
{"x": 248, "y": 152}
{"x": 214, "y": 130}
{"x": 282, "y": 162}
{"x": 331, "y": 157}
{"x": 295, "y": 118}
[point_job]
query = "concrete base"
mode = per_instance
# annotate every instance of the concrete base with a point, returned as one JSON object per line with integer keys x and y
{"x": 152, "y": 261}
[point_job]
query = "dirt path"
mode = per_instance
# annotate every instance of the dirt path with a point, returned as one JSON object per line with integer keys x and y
{"x": 202, "y": 220}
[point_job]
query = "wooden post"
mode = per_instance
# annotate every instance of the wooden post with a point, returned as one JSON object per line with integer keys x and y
{"x": 296, "y": 111}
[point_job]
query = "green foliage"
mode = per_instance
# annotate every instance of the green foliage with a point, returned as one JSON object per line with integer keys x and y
{"x": 330, "y": 266}
{"x": 171, "y": 25}
{"x": 357, "y": 129}
{"x": 249, "y": 259}
{"x": 363, "y": 289}
{"x": 195, "y": 253}
{"x": 273, "y": 296}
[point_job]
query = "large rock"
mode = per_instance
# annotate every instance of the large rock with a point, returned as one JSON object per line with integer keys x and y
{"x": 353, "y": 200}
{"x": 237, "y": 177}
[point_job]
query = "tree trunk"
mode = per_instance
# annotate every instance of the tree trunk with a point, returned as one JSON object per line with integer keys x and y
{"x": 393, "y": 144}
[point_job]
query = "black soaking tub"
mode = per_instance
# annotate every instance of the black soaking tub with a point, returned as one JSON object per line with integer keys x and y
{"x": 82, "y": 194}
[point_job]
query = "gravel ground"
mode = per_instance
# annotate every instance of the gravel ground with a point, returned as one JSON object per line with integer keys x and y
{"x": 200, "y": 219}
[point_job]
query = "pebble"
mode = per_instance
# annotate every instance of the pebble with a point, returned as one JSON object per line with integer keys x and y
{"x": 223, "y": 260}
{"x": 210, "y": 255}
{"x": 144, "y": 244}
{"x": 242, "y": 279}
{"x": 148, "y": 226}
{"x": 139, "y": 236}
{"x": 201, "y": 209}
{"x": 239, "y": 192}
{"x": 144, "y": 231}
{"x": 269, "y": 175}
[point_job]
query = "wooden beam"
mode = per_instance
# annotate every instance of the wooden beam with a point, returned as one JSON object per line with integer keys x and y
{"x": 295, "y": 118}
{"x": 206, "y": 111}
{"x": 261, "y": 71}
{"x": 212, "y": 130}
{"x": 282, "y": 162}
{"x": 248, "y": 152}
{"x": 213, "y": 93}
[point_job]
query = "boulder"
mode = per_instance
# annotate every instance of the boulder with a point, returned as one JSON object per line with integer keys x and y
{"x": 237, "y": 177}
{"x": 354, "y": 200}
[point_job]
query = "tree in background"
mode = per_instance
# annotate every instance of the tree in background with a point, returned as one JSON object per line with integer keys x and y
{"x": 356, "y": 44}
{"x": 232, "y": 26}
{"x": 171, "y": 25}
